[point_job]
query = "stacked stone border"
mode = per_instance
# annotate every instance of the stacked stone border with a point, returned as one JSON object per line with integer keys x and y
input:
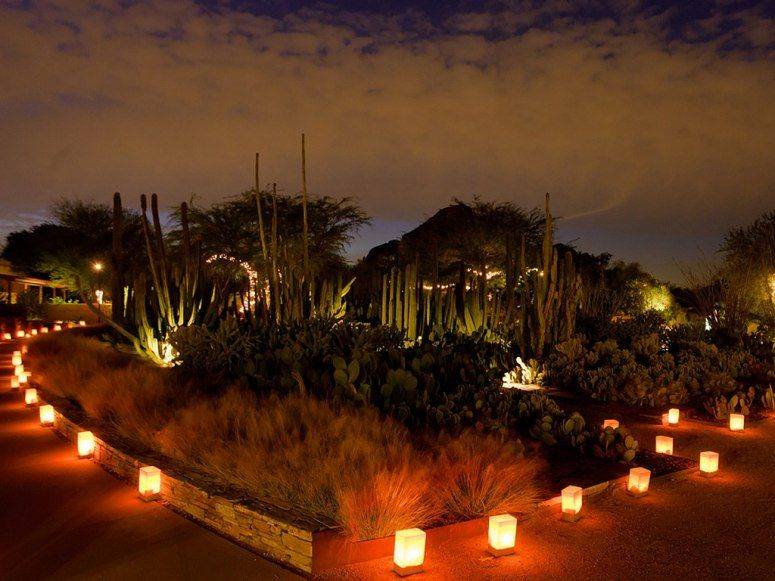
{"x": 267, "y": 535}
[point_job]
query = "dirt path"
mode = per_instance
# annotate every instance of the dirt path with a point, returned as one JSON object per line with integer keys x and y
{"x": 698, "y": 528}
{"x": 63, "y": 518}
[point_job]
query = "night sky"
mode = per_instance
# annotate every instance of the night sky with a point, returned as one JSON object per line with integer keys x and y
{"x": 652, "y": 124}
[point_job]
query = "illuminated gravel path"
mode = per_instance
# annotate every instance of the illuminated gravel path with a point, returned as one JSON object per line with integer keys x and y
{"x": 698, "y": 528}
{"x": 64, "y": 518}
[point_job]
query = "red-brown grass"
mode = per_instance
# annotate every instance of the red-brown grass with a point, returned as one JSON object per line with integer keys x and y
{"x": 348, "y": 467}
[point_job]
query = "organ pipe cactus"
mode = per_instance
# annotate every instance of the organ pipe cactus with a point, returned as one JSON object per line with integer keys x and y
{"x": 178, "y": 293}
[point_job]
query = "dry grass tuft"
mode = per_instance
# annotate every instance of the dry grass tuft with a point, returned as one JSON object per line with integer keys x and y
{"x": 348, "y": 468}
{"x": 480, "y": 475}
{"x": 134, "y": 398}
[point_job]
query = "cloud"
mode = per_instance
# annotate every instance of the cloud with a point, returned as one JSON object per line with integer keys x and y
{"x": 655, "y": 120}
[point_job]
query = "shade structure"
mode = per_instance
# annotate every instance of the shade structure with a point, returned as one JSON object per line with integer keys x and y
{"x": 409, "y": 551}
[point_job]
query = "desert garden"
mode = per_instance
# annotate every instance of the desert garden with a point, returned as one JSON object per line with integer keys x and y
{"x": 471, "y": 369}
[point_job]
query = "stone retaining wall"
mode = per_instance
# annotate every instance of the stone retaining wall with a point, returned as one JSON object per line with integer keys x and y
{"x": 267, "y": 535}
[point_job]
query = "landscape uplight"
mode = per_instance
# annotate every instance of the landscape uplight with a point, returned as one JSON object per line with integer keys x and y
{"x": 638, "y": 483}
{"x": 571, "y": 503}
{"x": 708, "y": 463}
{"x": 610, "y": 424}
{"x": 46, "y": 415}
{"x": 85, "y": 444}
{"x": 149, "y": 484}
{"x": 30, "y": 396}
{"x": 502, "y": 534}
{"x": 736, "y": 422}
{"x": 673, "y": 414}
{"x": 97, "y": 266}
{"x": 409, "y": 551}
{"x": 664, "y": 445}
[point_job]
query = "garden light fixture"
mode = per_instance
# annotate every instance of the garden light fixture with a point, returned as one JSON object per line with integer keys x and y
{"x": 664, "y": 445}
{"x": 571, "y": 503}
{"x": 46, "y": 415}
{"x": 85, "y": 444}
{"x": 408, "y": 551}
{"x": 149, "y": 483}
{"x": 708, "y": 463}
{"x": 736, "y": 422}
{"x": 502, "y": 534}
{"x": 30, "y": 396}
{"x": 638, "y": 483}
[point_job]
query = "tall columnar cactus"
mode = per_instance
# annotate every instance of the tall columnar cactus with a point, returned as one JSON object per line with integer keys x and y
{"x": 178, "y": 293}
{"x": 549, "y": 297}
{"x": 117, "y": 262}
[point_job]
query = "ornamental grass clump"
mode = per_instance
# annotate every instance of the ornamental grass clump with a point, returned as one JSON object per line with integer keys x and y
{"x": 481, "y": 475}
{"x": 346, "y": 467}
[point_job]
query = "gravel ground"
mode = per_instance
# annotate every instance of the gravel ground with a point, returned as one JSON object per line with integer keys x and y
{"x": 696, "y": 528}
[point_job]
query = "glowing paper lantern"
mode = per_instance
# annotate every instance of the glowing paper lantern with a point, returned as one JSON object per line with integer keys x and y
{"x": 82, "y": 323}
{"x": 673, "y": 414}
{"x": 502, "y": 534}
{"x": 23, "y": 378}
{"x": 638, "y": 483}
{"x": 18, "y": 370}
{"x": 20, "y": 334}
{"x": 85, "y": 444}
{"x": 17, "y": 358}
{"x": 30, "y": 396}
{"x": 33, "y": 332}
{"x": 664, "y": 445}
{"x": 57, "y": 327}
{"x": 46, "y": 415}
{"x": 571, "y": 503}
{"x": 24, "y": 350}
{"x": 736, "y": 422}
{"x": 149, "y": 484}
{"x": 14, "y": 382}
{"x": 708, "y": 463}
{"x": 7, "y": 336}
{"x": 44, "y": 330}
{"x": 409, "y": 551}
{"x": 610, "y": 423}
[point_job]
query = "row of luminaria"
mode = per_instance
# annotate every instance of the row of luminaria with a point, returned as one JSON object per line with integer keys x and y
{"x": 409, "y": 545}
